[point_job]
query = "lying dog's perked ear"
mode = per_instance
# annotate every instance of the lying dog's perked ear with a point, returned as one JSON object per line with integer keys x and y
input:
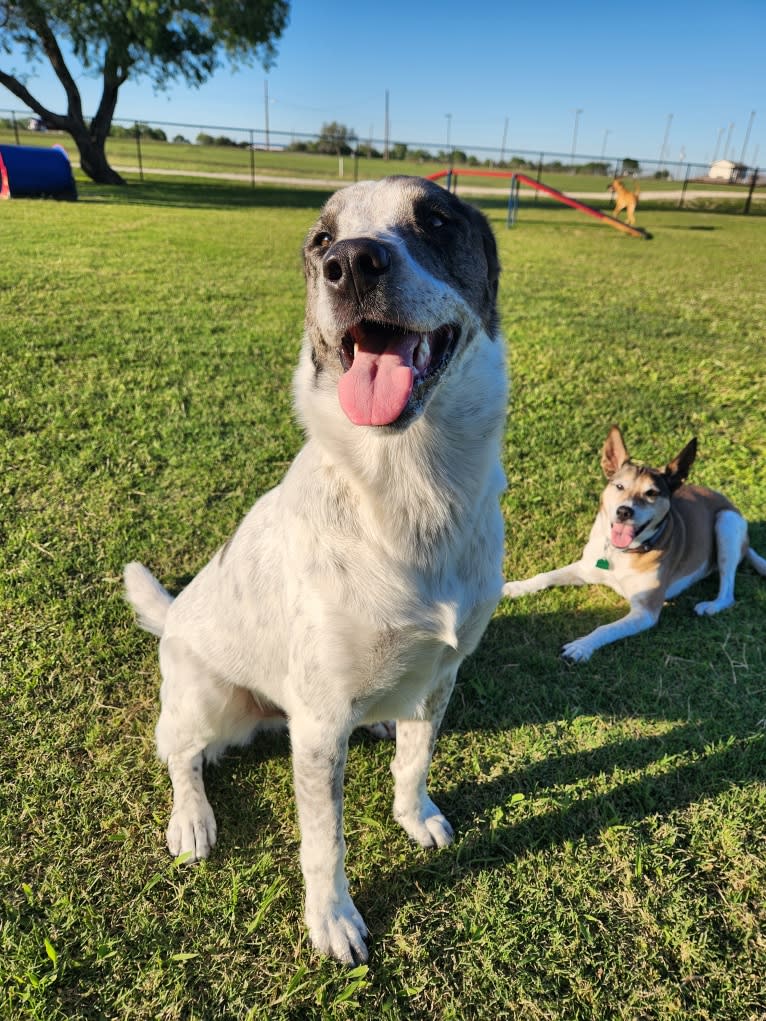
{"x": 614, "y": 454}
{"x": 678, "y": 469}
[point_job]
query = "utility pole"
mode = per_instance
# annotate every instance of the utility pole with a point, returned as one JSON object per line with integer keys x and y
{"x": 574, "y": 136}
{"x": 717, "y": 145}
{"x": 266, "y": 109}
{"x": 747, "y": 136}
{"x": 505, "y": 136}
{"x": 728, "y": 140}
{"x": 607, "y": 133}
{"x": 665, "y": 141}
{"x": 386, "y": 131}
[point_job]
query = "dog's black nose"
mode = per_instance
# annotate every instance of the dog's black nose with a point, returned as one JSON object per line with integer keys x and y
{"x": 624, "y": 513}
{"x": 355, "y": 266}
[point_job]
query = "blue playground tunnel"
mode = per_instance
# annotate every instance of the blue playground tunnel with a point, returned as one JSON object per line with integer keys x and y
{"x": 28, "y": 171}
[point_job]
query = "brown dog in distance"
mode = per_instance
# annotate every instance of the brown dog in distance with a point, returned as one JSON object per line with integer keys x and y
{"x": 625, "y": 199}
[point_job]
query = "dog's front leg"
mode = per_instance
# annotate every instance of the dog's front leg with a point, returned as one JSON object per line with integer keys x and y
{"x": 569, "y": 575}
{"x": 415, "y": 739}
{"x": 640, "y": 618}
{"x": 319, "y": 758}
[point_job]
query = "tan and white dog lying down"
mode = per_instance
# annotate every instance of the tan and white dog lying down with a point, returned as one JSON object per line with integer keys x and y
{"x": 653, "y": 537}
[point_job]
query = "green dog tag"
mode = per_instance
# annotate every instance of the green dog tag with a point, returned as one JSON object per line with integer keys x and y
{"x": 603, "y": 564}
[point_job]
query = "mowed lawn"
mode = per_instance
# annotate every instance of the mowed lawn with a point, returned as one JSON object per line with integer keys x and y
{"x": 610, "y": 857}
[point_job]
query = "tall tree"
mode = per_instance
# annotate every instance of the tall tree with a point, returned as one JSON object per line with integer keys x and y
{"x": 121, "y": 39}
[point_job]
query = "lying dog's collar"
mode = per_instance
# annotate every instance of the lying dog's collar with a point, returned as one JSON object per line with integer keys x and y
{"x": 605, "y": 564}
{"x": 648, "y": 544}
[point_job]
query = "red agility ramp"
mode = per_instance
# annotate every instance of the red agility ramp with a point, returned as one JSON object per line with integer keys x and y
{"x": 529, "y": 182}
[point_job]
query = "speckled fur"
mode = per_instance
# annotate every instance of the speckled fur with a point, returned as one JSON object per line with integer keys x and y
{"x": 351, "y": 593}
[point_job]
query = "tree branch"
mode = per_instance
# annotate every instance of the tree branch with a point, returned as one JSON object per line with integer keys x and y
{"x": 21, "y": 92}
{"x": 52, "y": 51}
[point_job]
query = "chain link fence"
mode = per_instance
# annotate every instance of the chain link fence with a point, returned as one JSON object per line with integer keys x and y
{"x": 255, "y": 153}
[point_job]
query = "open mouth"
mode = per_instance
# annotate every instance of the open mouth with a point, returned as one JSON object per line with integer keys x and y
{"x": 385, "y": 365}
{"x": 622, "y": 534}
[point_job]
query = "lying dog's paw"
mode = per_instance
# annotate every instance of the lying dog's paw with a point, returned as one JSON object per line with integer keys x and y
{"x": 429, "y": 828}
{"x": 514, "y": 589}
{"x": 338, "y": 931}
{"x": 578, "y": 651}
{"x": 192, "y": 830}
{"x": 707, "y": 609}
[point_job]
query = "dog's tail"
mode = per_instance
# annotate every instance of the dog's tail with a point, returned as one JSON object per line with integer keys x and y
{"x": 147, "y": 597}
{"x": 755, "y": 561}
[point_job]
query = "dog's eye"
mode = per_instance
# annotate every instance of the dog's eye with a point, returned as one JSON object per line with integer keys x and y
{"x": 651, "y": 494}
{"x": 619, "y": 486}
{"x": 322, "y": 239}
{"x": 434, "y": 220}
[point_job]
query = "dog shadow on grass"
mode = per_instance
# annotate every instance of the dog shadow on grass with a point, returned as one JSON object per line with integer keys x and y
{"x": 669, "y": 718}
{"x": 699, "y": 733}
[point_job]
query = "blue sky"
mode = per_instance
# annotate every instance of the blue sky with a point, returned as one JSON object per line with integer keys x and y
{"x": 626, "y": 66}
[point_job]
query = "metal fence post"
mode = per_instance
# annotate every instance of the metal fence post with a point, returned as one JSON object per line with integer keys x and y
{"x": 138, "y": 150}
{"x": 252, "y": 160}
{"x": 539, "y": 171}
{"x": 15, "y": 128}
{"x": 748, "y": 200}
{"x": 684, "y": 186}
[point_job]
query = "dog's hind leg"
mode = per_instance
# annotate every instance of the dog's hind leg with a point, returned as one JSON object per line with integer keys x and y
{"x": 756, "y": 562}
{"x": 200, "y": 716}
{"x": 731, "y": 542}
{"x": 415, "y": 740}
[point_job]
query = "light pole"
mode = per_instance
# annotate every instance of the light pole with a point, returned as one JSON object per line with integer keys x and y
{"x": 747, "y": 136}
{"x": 449, "y": 131}
{"x": 665, "y": 141}
{"x": 578, "y": 111}
{"x": 717, "y": 145}
{"x": 607, "y": 133}
{"x": 728, "y": 141}
{"x": 266, "y": 111}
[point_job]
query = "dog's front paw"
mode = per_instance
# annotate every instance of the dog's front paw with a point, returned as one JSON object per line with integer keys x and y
{"x": 707, "y": 609}
{"x": 428, "y": 827}
{"x": 514, "y": 589}
{"x": 192, "y": 830}
{"x": 578, "y": 651}
{"x": 338, "y": 931}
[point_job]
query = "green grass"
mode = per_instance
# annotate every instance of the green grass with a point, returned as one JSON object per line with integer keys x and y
{"x": 610, "y": 852}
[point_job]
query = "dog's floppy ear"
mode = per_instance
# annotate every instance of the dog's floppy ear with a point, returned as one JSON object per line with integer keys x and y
{"x": 677, "y": 470}
{"x": 614, "y": 455}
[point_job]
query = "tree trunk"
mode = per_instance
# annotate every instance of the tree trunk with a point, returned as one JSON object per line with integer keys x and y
{"x": 93, "y": 159}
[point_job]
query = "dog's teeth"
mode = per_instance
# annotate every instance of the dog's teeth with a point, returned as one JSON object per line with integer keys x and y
{"x": 356, "y": 348}
{"x": 422, "y": 354}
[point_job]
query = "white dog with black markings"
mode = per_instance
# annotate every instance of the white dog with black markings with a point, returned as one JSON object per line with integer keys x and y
{"x": 351, "y": 593}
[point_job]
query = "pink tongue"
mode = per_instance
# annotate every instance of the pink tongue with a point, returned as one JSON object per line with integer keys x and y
{"x": 622, "y": 535}
{"x": 375, "y": 390}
